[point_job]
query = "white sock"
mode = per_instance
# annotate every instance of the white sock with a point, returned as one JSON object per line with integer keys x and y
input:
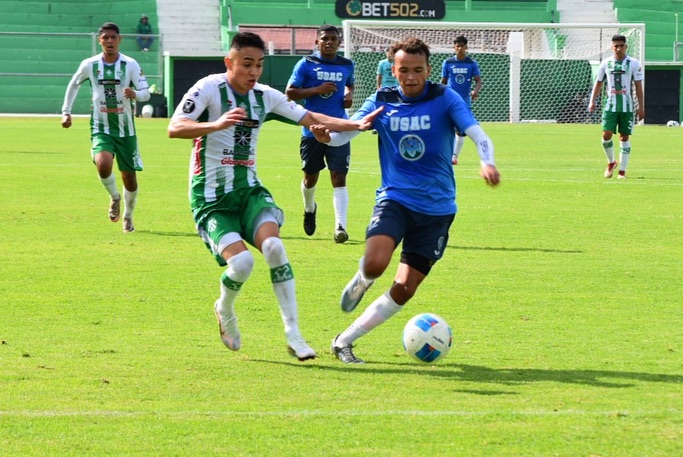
{"x": 608, "y": 146}
{"x": 282, "y": 278}
{"x": 340, "y": 201}
{"x": 624, "y": 155}
{"x": 110, "y": 184}
{"x": 309, "y": 198}
{"x": 459, "y": 143}
{"x": 130, "y": 198}
{"x": 377, "y": 313}
{"x": 238, "y": 271}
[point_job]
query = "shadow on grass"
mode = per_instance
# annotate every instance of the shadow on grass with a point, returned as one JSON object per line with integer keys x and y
{"x": 323, "y": 240}
{"x": 503, "y": 376}
{"x": 153, "y": 232}
{"x": 480, "y": 248}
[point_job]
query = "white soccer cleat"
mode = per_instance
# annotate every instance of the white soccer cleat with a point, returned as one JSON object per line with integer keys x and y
{"x": 610, "y": 169}
{"x": 297, "y": 347}
{"x": 230, "y": 333}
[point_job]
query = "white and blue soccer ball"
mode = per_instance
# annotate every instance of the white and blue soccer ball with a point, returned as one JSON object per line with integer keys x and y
{"x": 672, "y": 124}
{"x": 427, "y": 338}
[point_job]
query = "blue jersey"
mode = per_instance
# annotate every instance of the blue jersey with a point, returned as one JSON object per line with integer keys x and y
{"x": 416, "y": 144}
{"x": 313, "y": 71}
{"x": 459, "y": 74}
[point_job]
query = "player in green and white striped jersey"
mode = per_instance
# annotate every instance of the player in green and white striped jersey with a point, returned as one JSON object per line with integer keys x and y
{"x": 621, "y": 72}
{"x": 223, "y": 114}
{"x": 115, "y": 80}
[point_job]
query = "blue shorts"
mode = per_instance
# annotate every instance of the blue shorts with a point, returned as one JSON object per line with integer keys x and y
{"x": 422, "y": 235}
{"x": 314, "y": 155}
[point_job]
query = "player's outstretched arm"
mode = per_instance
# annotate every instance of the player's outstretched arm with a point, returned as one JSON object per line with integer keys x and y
{"x": 182, "y": 127}
{"x": 337, "y": 124}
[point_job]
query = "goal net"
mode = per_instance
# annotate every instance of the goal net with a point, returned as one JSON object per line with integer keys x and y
{"x": 530, "y": 72}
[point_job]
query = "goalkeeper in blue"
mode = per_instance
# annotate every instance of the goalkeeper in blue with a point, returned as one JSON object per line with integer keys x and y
{"x": 415, "y": 204}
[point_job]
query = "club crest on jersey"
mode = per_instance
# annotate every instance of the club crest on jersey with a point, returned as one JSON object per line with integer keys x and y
{"x": 411, "y": 147}
{"x": 188, "y": 106}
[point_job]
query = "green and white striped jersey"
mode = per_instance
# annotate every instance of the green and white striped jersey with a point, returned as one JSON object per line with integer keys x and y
{"x": 619, "y": 77}
{"x": 225, "y": 160}
{"x": 111, "y": 112}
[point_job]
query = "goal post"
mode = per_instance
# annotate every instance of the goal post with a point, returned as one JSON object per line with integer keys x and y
{"x": 530, "y": 72}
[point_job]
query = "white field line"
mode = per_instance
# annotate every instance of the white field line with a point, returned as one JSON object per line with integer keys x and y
{"x": 344, "y": 413}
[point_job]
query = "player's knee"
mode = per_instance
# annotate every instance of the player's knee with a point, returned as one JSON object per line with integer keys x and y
{"x": 240, "y": 266}
{"x": 373, "y": 267}
{"x": 401, "y": 293}
{"x": 274, "y": 251}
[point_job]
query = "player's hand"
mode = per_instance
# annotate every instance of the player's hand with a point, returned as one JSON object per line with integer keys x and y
{"x": 321, "y": 133}
{"x": 640, "y": 113}
{"x": 348, "y": 99}
{"x": 490, "y": 175}
{"x": 474, "y": 95}
{"x": 230, "y": 118}
{"x": 366, "y": 122}
{"x": 66, "y": 121}
{"x": 327, "y": 88}
{"x": 128, "y": 92}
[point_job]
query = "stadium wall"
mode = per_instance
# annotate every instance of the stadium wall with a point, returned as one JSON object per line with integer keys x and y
{"x": 42, "y": 42}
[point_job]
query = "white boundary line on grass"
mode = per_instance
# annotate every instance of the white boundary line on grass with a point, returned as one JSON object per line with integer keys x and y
{"x": 355, "y": 413}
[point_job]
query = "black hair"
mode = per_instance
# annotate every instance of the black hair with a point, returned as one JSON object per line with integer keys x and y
{"x": 109, "y": 26}
{"x": 247, "y": 40}
{"x": 461, "y": 39}
{"x": 619, "y": 37}
{"x": 328, "y": 28}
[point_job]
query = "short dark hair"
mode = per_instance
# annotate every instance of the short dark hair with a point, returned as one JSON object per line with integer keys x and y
{"x": 461, "y": 39}
{"x": 109, "y": 26}
{"x": 247, "y": 40}
{"x": 410, "y": 45}
{"x": 619, "y": 37}
{"x": 328, "y": 28}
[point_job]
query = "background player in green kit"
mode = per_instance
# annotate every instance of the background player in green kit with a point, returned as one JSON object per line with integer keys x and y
{"x": 621, "y": 73}
{"x": 115, "y": 80}
{"x": 223, "y": 113}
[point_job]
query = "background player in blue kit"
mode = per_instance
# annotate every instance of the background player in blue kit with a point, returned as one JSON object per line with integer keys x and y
{"x": 458, "y": 72}
{"x": 415, "y": 204}
{"x": 325, "y": 81}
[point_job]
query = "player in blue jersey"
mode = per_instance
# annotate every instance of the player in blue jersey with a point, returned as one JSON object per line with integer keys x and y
{"x": 415, "y": 203}
{"x": 458, "y": 72}
{"x": 325, "y": 81}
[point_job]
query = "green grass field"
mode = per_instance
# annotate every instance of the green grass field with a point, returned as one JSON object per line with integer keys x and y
{"x": 564, "y": 291}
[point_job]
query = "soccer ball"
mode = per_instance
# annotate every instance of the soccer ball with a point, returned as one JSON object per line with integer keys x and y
{"x": 672, "y": 124}
{"x": 147, "y": 111}
{"x": 427, "y": 338}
